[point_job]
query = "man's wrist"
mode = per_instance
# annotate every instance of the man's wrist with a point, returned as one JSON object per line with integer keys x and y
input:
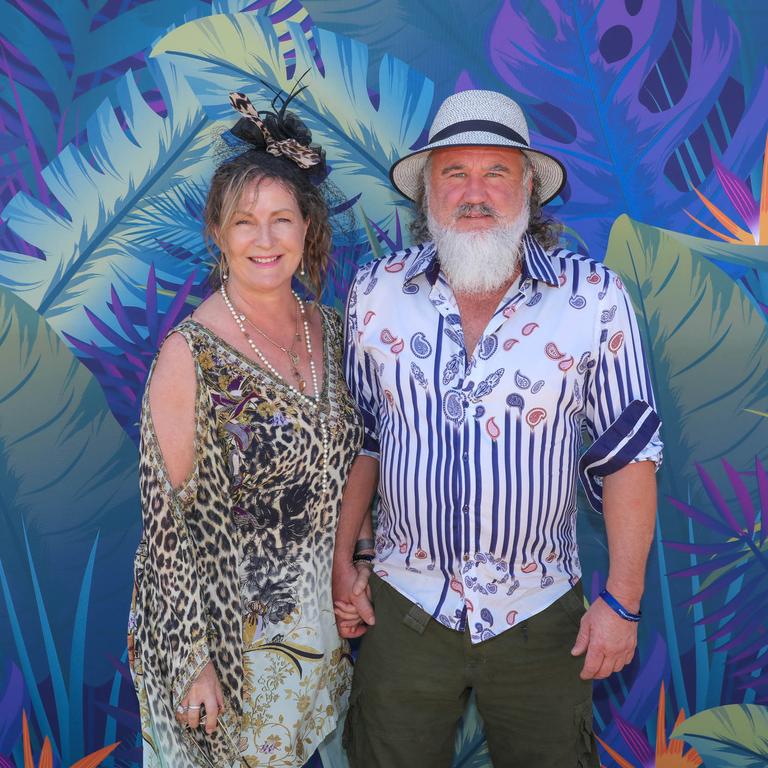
{"x": 364, "y": 546}
{"x": 618, "y": 608}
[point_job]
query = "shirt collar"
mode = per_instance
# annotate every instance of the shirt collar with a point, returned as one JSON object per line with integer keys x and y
{"x": 537, "y": 263}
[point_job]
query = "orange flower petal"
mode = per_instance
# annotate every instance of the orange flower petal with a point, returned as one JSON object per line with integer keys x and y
{"x": 29, "y": 761}
{"x": 95, "y": 758}
{"x": 615, "y": 755}
{"x": 46, "y": 756}
{"x": 762, "y": 232}
{"x": 729, "y": 224}
{"x": 661, "y": 736}
{"x": 713, "y": 231}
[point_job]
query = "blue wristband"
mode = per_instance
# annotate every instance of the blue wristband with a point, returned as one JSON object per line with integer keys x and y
{"x": 619, "y": 608}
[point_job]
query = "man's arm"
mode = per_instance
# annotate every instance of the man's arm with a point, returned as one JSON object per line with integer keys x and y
{"x": 349, "y": 581}
{"x": 629, "y": 506}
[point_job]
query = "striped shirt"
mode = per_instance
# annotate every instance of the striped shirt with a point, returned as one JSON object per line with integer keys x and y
{"x": 476, "y": 518}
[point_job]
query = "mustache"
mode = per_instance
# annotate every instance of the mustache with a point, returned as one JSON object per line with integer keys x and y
{"x": 465, "y": 209}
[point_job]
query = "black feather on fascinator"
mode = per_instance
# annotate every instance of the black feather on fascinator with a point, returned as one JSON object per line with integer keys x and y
{"x": 279, "y": 133}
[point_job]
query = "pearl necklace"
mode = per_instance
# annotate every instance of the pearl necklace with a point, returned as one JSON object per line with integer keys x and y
{"x": 313, "y": 401}
{"x": 292, "y": 356}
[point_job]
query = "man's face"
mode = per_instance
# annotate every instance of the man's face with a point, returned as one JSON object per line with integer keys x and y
{"x": 463, "y": 179}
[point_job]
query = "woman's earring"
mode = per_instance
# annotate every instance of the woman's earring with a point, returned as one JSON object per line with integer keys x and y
{"x": 223, "y": 270}
{"x": 302, "y": 266}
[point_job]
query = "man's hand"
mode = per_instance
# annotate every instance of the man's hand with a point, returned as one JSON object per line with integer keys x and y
{"x": 608, "y": 640}
{"x": 204, "y": 692}
{"x": 352, "y": 599}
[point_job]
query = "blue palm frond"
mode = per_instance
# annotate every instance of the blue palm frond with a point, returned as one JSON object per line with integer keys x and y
{"x": 734, "y": 569}
{"x": 88, "y": 247}
{"x": 237, "y": 52}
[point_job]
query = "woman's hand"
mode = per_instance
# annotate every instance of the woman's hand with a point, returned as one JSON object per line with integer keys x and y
{"x": 352, "y": 599}
{"x": 204, "y": 692}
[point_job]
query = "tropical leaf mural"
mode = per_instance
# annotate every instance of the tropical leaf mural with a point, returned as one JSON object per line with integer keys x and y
{"x": 67, "y": 473}
{"x": 111, "y": 113}
{"x": 635, "y": 99}
{"x": 696, "y": 324}
{"x": 237, "y": 52}
{"x": 733, "y": 736}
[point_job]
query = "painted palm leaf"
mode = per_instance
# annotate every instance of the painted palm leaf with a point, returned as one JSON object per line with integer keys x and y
{"x": 440, "y": 41}
{"x": 732, "y": 736}
{"x": 67, "y": 473}
{"x": 61, "y": 60}
{"x": 94, "y": 244}
{"x": 592, "y": 73}
{"x": 708, "y": 350}
{"x": 362, "y": 139}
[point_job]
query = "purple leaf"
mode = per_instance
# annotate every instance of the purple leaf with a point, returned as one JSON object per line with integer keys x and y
{"x": 740, "y": 195}
{"x": 11, "y": 702}
{"x": 702, "y": 549}
{"x": 762, "y": 490}
{"x": 583, "y": 68}
{"x": 635, "y": 740}
{"x": 701, "y": 517}
{"x": 742, "y": 496}
{"x": 151, "y": 303}
{"x": 717, "y": 498}
{"x": 719, "y": 583}
{"x": 176, "y": 306}
{"x": 711, "y": 565}
{"x": 464, "y": 82}
{"x": 118, "y": 310}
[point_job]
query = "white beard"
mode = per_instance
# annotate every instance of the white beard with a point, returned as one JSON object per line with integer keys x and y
{"x": 480, "y": 262}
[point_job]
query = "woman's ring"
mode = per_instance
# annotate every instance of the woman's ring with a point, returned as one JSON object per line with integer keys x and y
{"x": 194, "y": 706}
{"x": 181, "y": 709}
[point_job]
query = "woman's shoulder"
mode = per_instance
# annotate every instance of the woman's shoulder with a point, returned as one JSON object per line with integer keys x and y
{"x": 331, "y": 317}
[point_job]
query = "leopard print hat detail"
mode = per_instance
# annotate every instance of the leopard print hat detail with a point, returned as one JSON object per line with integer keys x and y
{"x": 304, "y": 155}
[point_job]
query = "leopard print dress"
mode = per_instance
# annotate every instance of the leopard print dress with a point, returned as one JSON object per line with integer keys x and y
{"x": 235, "y": 565}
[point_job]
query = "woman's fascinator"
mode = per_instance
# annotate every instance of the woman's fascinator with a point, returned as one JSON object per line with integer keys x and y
{"x": 280, "y": 133}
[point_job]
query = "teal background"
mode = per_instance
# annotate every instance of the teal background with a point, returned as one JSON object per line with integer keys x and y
{"x": 110, "y": 113}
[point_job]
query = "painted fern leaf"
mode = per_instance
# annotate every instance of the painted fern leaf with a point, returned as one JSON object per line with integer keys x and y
{"x": 60, "y": 61}
{"x": 592, "y": 74}
{"x": 90, "y": 246}
{"x": 236, "y": 52}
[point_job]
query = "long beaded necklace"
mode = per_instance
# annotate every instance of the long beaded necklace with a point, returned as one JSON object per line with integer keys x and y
{"x": 314, "y": 401}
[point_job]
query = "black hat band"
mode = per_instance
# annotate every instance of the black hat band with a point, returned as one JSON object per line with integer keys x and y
{"x": 487, "y": 126}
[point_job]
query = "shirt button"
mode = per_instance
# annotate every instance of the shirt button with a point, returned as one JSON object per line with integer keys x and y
{"x": 465, "y": 455}
{"x": 465, "y": 508}
{"x": 466, "y": 557}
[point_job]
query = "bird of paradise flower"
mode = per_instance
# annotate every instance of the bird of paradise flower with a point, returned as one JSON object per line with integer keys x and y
{"x": 46, "y": 753}
{"x": 669, "y": 753}
{"x": 755, "y": 216}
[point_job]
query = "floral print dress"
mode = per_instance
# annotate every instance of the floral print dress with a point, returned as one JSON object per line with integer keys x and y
{"x": 235, "y": 566}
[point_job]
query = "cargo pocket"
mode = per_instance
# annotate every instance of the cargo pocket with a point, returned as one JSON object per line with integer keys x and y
{"x": 586, "y": 748}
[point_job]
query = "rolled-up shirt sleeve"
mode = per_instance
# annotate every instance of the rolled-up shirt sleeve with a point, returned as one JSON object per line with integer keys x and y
{"x": 620, "y": 412}
{"x": 360, "y": 371}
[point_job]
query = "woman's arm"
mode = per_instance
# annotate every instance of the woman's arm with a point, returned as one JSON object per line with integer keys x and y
{"x": 172, "y": 396}
{"x": 349, "y": 582}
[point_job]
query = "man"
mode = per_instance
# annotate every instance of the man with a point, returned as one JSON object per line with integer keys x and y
{"x": 477, "y": 358}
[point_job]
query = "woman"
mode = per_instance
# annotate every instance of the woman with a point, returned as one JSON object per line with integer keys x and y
{"x": 248, "y": 435}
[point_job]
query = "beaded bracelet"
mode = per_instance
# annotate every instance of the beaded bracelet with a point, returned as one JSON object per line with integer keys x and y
{"x": 619, "y": 608}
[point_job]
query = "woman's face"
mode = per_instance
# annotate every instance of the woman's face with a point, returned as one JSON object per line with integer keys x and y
{"x": 264, "y": 239}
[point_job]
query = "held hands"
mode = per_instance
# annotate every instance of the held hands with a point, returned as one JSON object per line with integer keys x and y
{"x": 204, "y": 692}
{"x": 609, "y": 641}
{"x": 352, "y": 599}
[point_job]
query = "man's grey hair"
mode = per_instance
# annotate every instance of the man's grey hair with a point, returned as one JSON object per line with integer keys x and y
{"x": 545, "y": 229}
